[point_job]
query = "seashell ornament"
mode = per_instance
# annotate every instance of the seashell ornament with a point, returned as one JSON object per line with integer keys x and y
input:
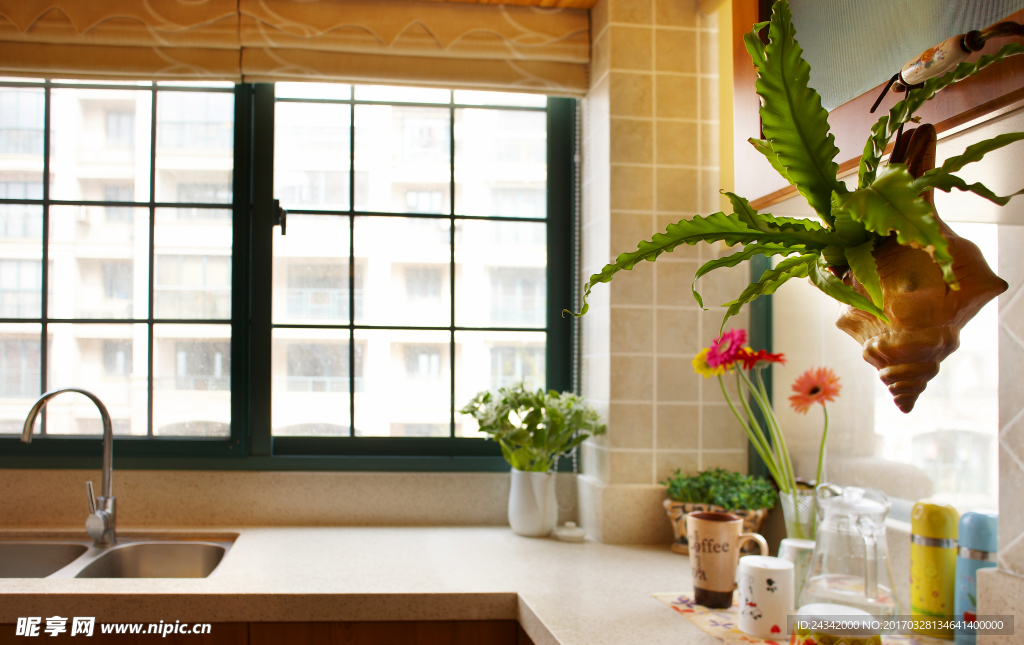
{"x": 925, "y": 314}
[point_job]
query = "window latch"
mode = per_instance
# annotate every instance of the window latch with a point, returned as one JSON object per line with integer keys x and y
{"x": 279, "y": 216}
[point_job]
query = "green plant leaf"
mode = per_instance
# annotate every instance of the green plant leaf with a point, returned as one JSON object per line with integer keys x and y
{"x": 755, "y": 47}
{"x": 748, "y": 252}
{"x": 765, "y": 148}
{"x": 805, "y": 230}
{"x": 975, "y": 152}
{"x": 892, "y": 203}
{"x": 862, "y": 263}
{"x": 771, "y": 280}
{"x": 944, "y": 179}
{"x": 947, "y": 183}
{"x": 792, "y": 117}
{"x": 903, "y": 111}
{"x": 833, "y": 287}
{"x": 716, "y": 227}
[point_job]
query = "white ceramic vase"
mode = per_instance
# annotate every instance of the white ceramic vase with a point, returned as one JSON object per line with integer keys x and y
{"x": 532, "y": 506}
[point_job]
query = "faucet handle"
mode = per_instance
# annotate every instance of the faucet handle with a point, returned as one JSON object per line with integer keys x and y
{"x": 92, "y": 497}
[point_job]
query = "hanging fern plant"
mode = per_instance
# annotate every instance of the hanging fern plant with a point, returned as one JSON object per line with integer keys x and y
{"x": 799, "y": 146}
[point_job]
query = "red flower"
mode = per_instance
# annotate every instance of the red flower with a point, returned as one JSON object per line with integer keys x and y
{"x": 751, "y": 358}
{"x": 814, "y": 386}
{"x": 725, "y": 350}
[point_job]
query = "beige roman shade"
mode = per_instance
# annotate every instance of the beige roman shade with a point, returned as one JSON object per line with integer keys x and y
{"x": 449, "y": 44}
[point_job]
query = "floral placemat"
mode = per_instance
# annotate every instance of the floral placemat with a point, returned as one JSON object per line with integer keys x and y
{"x": 722, "y": 624}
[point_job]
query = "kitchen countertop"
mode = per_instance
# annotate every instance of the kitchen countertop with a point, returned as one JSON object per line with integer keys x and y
{"x": 562, "y": 593}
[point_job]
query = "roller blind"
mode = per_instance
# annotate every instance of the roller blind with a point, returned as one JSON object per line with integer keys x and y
{"x": 388, "y": 41}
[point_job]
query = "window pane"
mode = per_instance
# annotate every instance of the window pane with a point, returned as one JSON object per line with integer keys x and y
{"x": 501, "y": 163}
{"x": 403, "y": 157}
{"x": 487, "y": 360}
{"x": 99, "y": 149}
{"x": 310, "y": 370}
{"x": 20, "y": 374}
{"x": 312, "y": 91}
{"x": 397, "y": 94}
{"x": 192, "y": 380}
{"x": 193, "y": 263}
{"x": 469, "y": 97}
{"x": 311, "y": 272}
{"x": 21, "y": 143}
{"x": 952, "y": 433}
{"x": 109, "y": 361}
{"x": 21, "y": 260}
{"x": 99, "y": 262}
{"x": 194, "y": 147}
{"x": 501, "y": 276}
{"x": 407, "y": 383}
{"x": 311, "y": 155}
{"x": 406, "y": 279}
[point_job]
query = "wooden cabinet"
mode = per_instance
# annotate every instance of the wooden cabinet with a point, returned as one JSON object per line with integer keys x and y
{"x": 454, "y": 632}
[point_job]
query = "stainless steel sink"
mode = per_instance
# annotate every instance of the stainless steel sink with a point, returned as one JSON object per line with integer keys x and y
{"x": 156, "y": 560}
{"x": 133, "y": 557}
{"x": 37, "y": 559}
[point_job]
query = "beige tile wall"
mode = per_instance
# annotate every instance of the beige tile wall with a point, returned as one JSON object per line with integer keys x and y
{"x": 1011, "y": 401}
{"x": 651, "y": 157}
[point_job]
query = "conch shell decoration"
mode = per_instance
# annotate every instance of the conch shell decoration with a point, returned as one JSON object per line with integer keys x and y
{"x": 925, "y": 314}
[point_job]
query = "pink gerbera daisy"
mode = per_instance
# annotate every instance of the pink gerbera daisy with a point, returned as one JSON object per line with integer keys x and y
{"x": 727, "y": 348}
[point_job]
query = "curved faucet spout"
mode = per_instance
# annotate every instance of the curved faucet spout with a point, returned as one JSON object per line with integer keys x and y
{"x": 108, "y": 431}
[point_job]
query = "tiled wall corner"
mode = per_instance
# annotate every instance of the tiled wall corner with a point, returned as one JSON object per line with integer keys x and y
{"x": 1011, "y": 402}
{"x": 651, "y": 158}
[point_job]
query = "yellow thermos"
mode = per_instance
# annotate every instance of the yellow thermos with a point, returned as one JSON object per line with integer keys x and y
{"x": 933, "y": 551}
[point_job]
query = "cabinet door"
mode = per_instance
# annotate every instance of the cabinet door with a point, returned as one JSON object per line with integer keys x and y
{"x": 468, "y": 632}
{"x": 219, "y": 634}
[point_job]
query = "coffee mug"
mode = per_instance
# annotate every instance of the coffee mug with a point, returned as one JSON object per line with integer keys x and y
{"x": 798, "y": 552}
{"x": 715, "y": 540}
{"x": 766, "y": 595}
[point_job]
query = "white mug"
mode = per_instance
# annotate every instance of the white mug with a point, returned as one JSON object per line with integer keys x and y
{"x": 798, "y": 552}
{"x": 766, "y": 595}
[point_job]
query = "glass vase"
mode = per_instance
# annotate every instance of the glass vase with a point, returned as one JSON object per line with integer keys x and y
{"x": 798, "y": 510}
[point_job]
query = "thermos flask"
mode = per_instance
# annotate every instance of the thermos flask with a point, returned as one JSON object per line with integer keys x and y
{"x": 933, "y": 531}
{"x": 978, "y": 543}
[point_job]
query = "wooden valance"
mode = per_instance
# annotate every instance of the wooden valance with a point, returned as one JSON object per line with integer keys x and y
{"x": 447, "y": 44}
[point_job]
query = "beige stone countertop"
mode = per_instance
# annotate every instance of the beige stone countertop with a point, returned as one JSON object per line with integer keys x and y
{"x": 562, "y": 593}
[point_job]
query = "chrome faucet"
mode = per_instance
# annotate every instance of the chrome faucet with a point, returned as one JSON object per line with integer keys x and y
{"x": 102, "y": 520}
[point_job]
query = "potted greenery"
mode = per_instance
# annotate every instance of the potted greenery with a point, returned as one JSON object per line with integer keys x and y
{"x": 716, "y": 490}
{"x": 533, "y": 429}
{"x": 907, "y": 282}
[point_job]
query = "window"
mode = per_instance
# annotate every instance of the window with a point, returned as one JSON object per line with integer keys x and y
{"x": 117, "y": 358}
{"x": 19, "y": 367}
{"x": 122, "y": 296}
{"x": 193, "y": 286}
{"x": 517, "y": 364}
{"x": 117, "y": 280}
{"x": 21, "y": 121}
{"x": 19, "y": 288}
{"x": 119, "y": 193}
{"x": 120, "y": 128}
{"x": 952, "y": 433}
{"x": 202, "y": 365}
{"x": 414, "y": 272}
{"x": 453, "y": 303}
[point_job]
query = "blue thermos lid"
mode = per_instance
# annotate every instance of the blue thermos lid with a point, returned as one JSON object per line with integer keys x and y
{"x": 979, "y": 531}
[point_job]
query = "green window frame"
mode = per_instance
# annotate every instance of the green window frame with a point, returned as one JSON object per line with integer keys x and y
{"x": 251, "y": 445}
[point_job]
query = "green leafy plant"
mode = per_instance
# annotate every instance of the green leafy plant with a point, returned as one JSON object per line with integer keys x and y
{"x": 717, "y": 486}
{"x": 534, "y": 428}
{"x": 799, "y": 146}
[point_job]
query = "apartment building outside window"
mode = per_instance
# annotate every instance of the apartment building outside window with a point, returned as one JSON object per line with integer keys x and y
{"x": 413, "y": 274}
